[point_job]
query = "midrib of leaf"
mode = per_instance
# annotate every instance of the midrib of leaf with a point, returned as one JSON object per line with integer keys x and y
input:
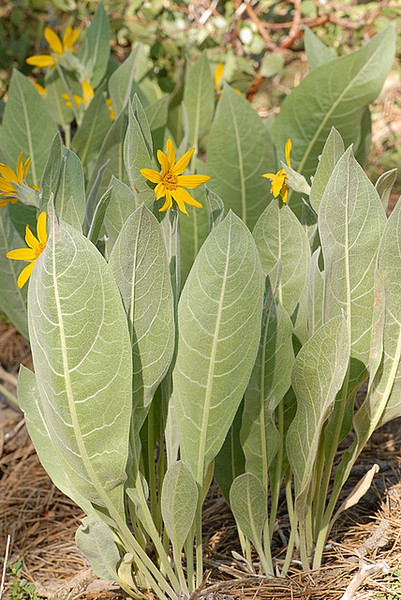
{"x": 28, "y": 131}
{"x": 12, "y": 270}
{"x": 262, "y": 407}
{"x": 330, "y": 112}
{"x": 241, "y": 166}
{"x": 133, "y": 280}
{"x": 209, "y": 386}
{"x": 249, "y": 503}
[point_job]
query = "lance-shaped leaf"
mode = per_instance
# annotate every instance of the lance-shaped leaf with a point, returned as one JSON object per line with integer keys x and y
{"x": 70, "y": 200}
{"x": 317, "y": 53}
{"x": 384, "y": 186}
{"x": 12, "y": 299}
{"x": 95, "y": 49}
{"x": 122, "y": 80}
{"x": 219, "y": 317}
{"x": 215, "y": 207}
{"x": 97, "y": 542}
{"x": 333, "y": 97}
{"x": 332, "y": 152}
{"x": 199, "y": 98}
{"x": 82, "y": 358}
{"x": 179, "y": 499}
{"x": 122, "y": 204}
{"x": 248, "y": 501}
{"x": 193, "y": 231}
{"x": 51, "y": 174}
{"x": 351, "y": 222}
{"x": 282, "y": 243}
{"x": 270, "y": 380}
{"x": 27, "y": 125}
{"x": 230, "y": 461}
{"x": 318, "y": 374}
{"x": 383, "y": 401}
{"x": 315, "y": 293}
{"x": 239, "y": 152}
{"x": 139, "y": 264}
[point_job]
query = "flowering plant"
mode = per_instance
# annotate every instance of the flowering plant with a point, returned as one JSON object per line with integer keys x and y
{"x": 162, "y": 331}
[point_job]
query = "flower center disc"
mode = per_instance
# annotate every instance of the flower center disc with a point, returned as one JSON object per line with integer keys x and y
{"x": 39, "y": 249}
{"x": 170, "y": 181}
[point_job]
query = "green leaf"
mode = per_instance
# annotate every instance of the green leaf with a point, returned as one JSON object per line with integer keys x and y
{"x": 89, "y": 137}
{"x": 98, "y": 217}
{"x": 27, "y": 125}
{"x": 12, "y": 299}
{"x": 239, "y": 152}
{"x": 315, "y": 294}
{"x": 193, "y": 231}
{"x": 219, "y": 317}
{"x": 97, "y": 542}
{"x": 54, "y": 86}
{"x": 51, "y": 174}
{"x": 95, "y": 50}
{"x": 138, "y": 262}
{"x": 199, "y": 98}
{"x": 351, "y": 222}
{"x": 138, "y": 152}
{"x": 332, "y": 152}
{"x": 179, "y": 498}
{"x": 156, "y": 114}
{"x": 122, "y": 80}
{"x": 82, "y": 358}
{"x": 384, "y": 185}
{"x": 284, "y": 252}
{"x": 230, "y": 461}
{"x": 332, "y": 97}
{"x": 317, "y": 53}
{"x": 122, "y": 204}
{"x": 215, "y": 207}
{"x": 272, "y": 63}
{"x": 70, "y": 200}
{"x": 248, "y": 501}
{"x": 319, "y": 370}
{"x": 270, "y": 380}
{"x": 383, "y": 401}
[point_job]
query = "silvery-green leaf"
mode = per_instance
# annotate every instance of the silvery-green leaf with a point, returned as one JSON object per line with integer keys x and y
{"x": 270, "y": 380}
{"x": 51, "y": 174}
{"x": 98, "y": 217}
{"x": 282, "y": 243}
{"x": 27, "y": 125}
{"x": 248, "y": 501}
{"x": 56, "y": 104}
{"x": 70, "y": 200}
{"x": 122, "y": 204}
{"x": 332, "y": 97}
{"x": 138, "y": 152}
{"x": 82, "y": 358}
{"x": 317, "y": 53}
{"x": 384, "y": 186}
{"x": 315, "y": 293}
{"x": 199, "y": 98}
{"x": 351, "y": 222}
{"x": 96, "y": 122}
{"x": 239, "y": 152}
{"x": 179, "y": 499}
{"x": 95, "y": 49}
{"x": 230, "y": 461}
{"x": 215, "y": 208}
{"x": 219, "y": 316}
{"x": 121, "y": 81}
{"x": 97, "y": 542}
{"x": 139, "y": 265}
{"x": 156, "y": 114}
{"x": 193, "y": 231}
{"x": 94, "y": 197}
{"x": 317, "y": 376}
{"x": 383, "y": 401}
{"x": 332, "y": 152}
{"x": 12, "y": 299}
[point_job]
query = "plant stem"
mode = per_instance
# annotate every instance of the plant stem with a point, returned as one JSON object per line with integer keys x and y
{"x": 198, "y": 542}
{"x": 10, "y": 396}
{"x": 275, "y": 487}
{"x": 189, "y": 552}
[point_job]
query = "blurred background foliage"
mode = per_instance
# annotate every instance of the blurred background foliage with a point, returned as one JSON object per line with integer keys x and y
{"x": 261, "y": 42}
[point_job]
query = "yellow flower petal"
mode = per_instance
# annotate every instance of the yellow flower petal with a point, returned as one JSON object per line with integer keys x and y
{"x": 182, "y": 164}
{"x": 25, "y": 274}
{"x": 41, "y": 228}
{"x": 26, "y": 167}
{"x": 22, "y": 254}
{"x": 170, "y": 152}
{"x": 54, "y": 41}
{"x": 31, "y": 239}
{"x": 284, "y": 193}
{"x": 277, "y": 184}
{"x": 163, "y": 160}
{"x": 4, "y": 202}
{"x": 269, "y": 175}
{"x": 70, "y": 37}
{"x": 8, "y": 173}
{"x": 218, "y": 75}
{"x": 88, "y": 92}
{"x": 168, "y": 203}
{"x": 20, "y": 168}
{"x": 152, "y": 175}
{"x": 160, "y": 191}
{"x": 40, "y": 88}
{"x": 192, "y": 181}
{"x": 41, "y": 61}
{"x": 288, "y": 147}
{"x": 180, "y": 194}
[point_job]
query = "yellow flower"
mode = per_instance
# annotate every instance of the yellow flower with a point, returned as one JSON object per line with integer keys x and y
{"x": 13, "y": 186}
{"x": 111, "y": 109}
{"x": 88, "y": 94}
{"x": 218, "y": 76}
{"x": 40, "y": 88}
{"x": 35, "y": 249}
{"x": 278, "y": 179}
{"x": 57, "y": 46}
{"x": 171, "y": 182}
